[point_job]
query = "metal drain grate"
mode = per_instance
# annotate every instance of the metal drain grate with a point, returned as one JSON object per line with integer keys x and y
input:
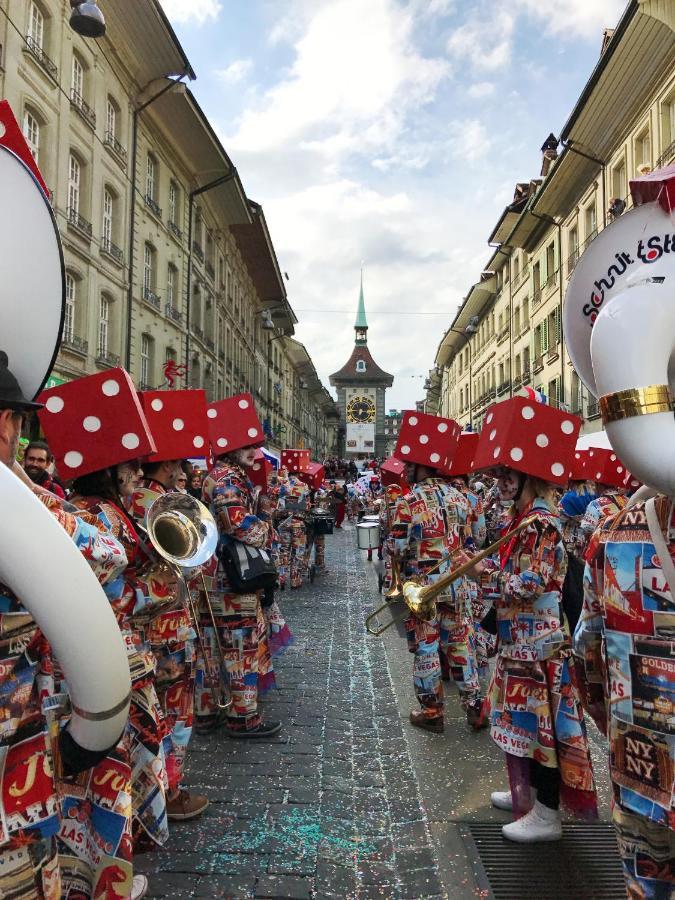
{"x": 585, "y": 863}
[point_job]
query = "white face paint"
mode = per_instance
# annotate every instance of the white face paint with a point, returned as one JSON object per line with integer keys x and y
{"x": 508, "y": 484}
{"x": 174, "y": 472}
{"x": 245, "y": 457}
{"x": 129, "y": 475}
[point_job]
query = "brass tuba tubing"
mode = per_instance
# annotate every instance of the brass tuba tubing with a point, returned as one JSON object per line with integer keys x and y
{"x": 420, "y": 600}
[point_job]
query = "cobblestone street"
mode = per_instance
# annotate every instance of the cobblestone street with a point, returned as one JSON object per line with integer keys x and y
{"x": 348, "y": 801}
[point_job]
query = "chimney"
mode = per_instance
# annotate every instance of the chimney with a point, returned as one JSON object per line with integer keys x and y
{"x": 607, "y": 36}
{"x": 549, "y": 151}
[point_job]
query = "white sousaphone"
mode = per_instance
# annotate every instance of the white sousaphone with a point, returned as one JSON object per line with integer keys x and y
{"x": 38, "y": 561}
{"x": 619, "y": 326}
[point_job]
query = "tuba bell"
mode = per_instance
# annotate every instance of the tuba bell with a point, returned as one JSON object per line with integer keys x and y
{"x": 184, "y": 533}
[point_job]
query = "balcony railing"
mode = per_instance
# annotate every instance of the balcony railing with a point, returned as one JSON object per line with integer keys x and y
{"x": 210, "y": 343}
{"x": 589, "y": 238}
{"x": 41, "y": 58}
{"x": 104, "y": 358}
{"x": 572, "y": 260}
{"x": 199, "y": 332}
{"x": 112, "y": 250}
{"x": 175, "y": 230}
{"x": 79, "y": 222}
{"x": 538, "y": 364}
{"x": 221, "y": 354}
{"x": 553, "y": 353}
{"x": 171, "y": 312}
{"x": 667, "y": 156}
{"x": 76, "y": 343}
{"x": 210, "y": 271}
{"x": 552, "y": 279}
{"x": 592, "y": 408}
{"x": 229, "y": 365}
{"x": 115, "y": 147}
{"x": 536, "y": 297}
{"x": 517, "y": 381}
{"x": 503, "y": 334}
{"x": 152, "y": 298}
{"x": 526, "y": 375}
{"x": 503, "y": 387}
{"x": 520, "y": 278}
{"x": 83, "y": 108}
{"x": 153, "y": 206}
{"x": 198, "y": 252}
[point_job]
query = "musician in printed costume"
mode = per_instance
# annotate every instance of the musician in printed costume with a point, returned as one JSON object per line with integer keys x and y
{"x": 394, "y": 486}
{"x": 235, "y": 432}
{"x": 177, "y": 421}
{"x": 31, "y": 812}
{"x": 626, "y": 635}
{"x": 429, "y": 522}
{"x": 105, "y": 478}
{"x": 292, "y": 509}
{"x": 535, "y": 712}
{"x": 573, "y": 504}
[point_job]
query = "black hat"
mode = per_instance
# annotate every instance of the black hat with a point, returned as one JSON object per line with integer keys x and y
{"x": 11, "y": 395}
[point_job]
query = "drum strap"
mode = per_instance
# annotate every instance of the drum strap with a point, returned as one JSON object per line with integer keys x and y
{"x": 659, "y": 542}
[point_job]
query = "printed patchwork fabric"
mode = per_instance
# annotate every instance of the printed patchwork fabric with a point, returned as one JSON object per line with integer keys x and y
{"x": 599, "y": 510}
{"x": 626, "y": 636}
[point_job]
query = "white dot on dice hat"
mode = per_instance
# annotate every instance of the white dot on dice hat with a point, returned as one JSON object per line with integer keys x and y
{"x": 178, "y": 424}
{"x": 198, "y": 441}
{"x": 497, "y": 451}
{"x": 542, "y": 440}
{"x": 255, "y": 467}
{"x": 619, "y": 469}
{"x": 557, "y": 469}
{"x": 567, "y": 427}
{"x": 73, "y": 459}
{"x": 613, "y": 457}
{"x": 412, "y": 420}
{"x": 424, "y": 439}
{"x": 91, "y": 423}
{"x": 527, "y": 412}
{"x": 157, "y": 404}
{"x": 489, "y": 418}
{"x": 598, "y": 474}
{"x": 110, "y": 387}
{"x": 130, "y": 440}
{"x": 211, "y": 413}
{"x": 516, "y": 454}
{"x": 55, "y": 404}
{"x": 434, "y": 457}
{"x": 493, "y": 434}
{"x": 222, "y": 442}
{"x": 590, "y": 453}
{"x": 442, "y": 427}
{"x": 405, "y": 449}
{"x": 577, "y": 456}
{"x": 252, "y": 432}
{"x": 243, "y": 404}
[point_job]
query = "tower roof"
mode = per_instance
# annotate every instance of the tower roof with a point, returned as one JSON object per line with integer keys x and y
{"x": 361, "y": 321}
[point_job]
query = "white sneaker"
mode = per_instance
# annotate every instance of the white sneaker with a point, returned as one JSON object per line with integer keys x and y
{"x": 502, "y": 800}
{"x": 540, "y": 824}
{"x": 139, "y": 887}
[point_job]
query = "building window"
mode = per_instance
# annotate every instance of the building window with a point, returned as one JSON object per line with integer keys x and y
{"x": 107, "y": 226}
{"x": 619, "y": 181}
{"x": 643, "y": 152}
{"x": 74, "y": 179}
{"x": 148, "y": 267}
{"x": 103, "y": 325}
{"x": 151, "y": 178}
{"x": 71, "y": 300}
{"x": 36, "y": 26}
{"x": 77, "y": 80}
{"x": 31, "y": 131}
{"x": 361, "y": 365}
{"x": 171, "y": 284}
{"x": 591, "y": 221}
{"x": 146, "y": 359}
{"x": 110, "y": 119}
{"x": 173, "y": 202}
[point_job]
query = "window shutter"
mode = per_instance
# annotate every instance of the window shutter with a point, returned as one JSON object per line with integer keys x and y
{"x": 558, "y": 323}
{"x": 544, "y": 336}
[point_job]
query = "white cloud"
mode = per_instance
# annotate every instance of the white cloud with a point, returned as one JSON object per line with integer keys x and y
{"x": 235, "y": 72}
{"x": 574, "y": 17}
{"x": 485, "y": 48}
{"x": 196, "y": 12}
{"x": 481, "y": 89}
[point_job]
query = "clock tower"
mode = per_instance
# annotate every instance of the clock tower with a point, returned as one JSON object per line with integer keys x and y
{"x": 361, "y": 386}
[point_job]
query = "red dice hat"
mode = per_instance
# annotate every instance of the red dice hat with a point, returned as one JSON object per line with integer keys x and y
{"x": 630, "y": 482}
{"x": 579, "y": 466}
{"x": 427, "y": 440}
{"x": 533, "y": 438}
{"x": 233, "y": 424}
{"x": 94, "y": 422}
{"x": 314, "y": 476}
{"x": 178, "y": 423}
{"x": 296, "y": 460}
{"x": 261, "y": 470}
{"x": 392, "y": 471}
{"x": 462, "y": 461}
{"x": 605, "y": 467}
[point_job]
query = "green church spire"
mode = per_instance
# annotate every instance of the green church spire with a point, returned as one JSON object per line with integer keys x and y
{"x": 361, "y": 324}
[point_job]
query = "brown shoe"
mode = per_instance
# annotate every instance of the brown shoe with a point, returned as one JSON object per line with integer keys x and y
{"x": 185, "y": 806}
{"x": 420, "y": 720}
{"x": 474, "y": 716}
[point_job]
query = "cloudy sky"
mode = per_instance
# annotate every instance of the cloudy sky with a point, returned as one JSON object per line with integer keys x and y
{"x": 390, "y": 132}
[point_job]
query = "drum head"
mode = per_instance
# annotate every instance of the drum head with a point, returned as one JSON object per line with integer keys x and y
{"x": 32, "y": 275}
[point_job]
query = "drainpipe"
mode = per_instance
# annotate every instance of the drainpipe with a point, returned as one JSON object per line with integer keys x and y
{"x": 223, "y": 179}
{"x": 132, "y": 212}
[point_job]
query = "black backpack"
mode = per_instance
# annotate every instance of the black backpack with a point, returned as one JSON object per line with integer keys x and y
{"x": 573, "y": 591}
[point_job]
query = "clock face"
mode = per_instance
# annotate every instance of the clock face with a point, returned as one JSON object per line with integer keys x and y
{"x": 361, "y": 409}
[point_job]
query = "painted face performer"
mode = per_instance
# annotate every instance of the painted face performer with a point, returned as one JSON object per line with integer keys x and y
{"x": 178, "y": 423}
{"x": 609, "y": 475}
{"x": 293, "y": 508}
{"x": 100, "y": 453}
{"x": 429, "y": 522}
{"x": 235, "y": 432}
{"x": 626, "y": 634}
{"x": 535, "y": 713}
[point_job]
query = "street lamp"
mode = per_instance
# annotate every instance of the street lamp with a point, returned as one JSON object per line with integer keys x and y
{"x": 87, "y": 19}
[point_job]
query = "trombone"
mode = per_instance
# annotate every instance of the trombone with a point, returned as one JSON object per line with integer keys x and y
{"x": 184, "y": 533}
{"x": 420, "y": 600}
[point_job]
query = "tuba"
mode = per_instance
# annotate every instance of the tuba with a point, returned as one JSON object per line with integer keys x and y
{"x": 184, "y": 533}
